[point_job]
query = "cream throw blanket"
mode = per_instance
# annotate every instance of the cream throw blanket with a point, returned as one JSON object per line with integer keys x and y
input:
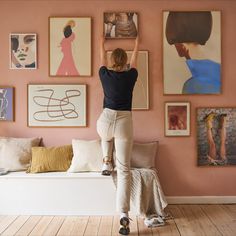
{"x": 147, "y": 197}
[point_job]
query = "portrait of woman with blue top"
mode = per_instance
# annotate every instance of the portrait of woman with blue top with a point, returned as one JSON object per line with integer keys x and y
{"x": 189, "y": 32}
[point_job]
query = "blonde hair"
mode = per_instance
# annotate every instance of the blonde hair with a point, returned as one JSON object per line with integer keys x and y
{"x": 119, "y": 59}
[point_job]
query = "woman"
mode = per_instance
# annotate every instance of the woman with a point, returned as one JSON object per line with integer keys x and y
{"x": 115, "y": 123}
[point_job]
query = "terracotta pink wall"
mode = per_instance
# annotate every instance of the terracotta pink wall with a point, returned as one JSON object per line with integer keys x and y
{"x": 177, "y": 163}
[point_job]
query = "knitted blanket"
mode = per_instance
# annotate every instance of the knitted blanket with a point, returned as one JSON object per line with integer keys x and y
{"x": 147, "y": 197}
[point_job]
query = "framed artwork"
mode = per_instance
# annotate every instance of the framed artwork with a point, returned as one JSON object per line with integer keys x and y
{"x": 56, "y": 105}
{"x": 192, "y": 52}
{"x": 216, "y": 136}
{"x": 6, "y": 103}
{"x": 120, "y": 25}
{"x": 23, "y": 51}
{"x": 70, "y": 46}
{"x": 177, "y": 119}
{"x": 141, "y": 88}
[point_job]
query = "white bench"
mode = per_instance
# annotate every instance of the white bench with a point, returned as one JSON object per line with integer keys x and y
{"x": 57, "y": 193}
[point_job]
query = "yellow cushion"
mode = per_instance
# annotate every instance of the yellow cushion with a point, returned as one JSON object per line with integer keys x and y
{"x": 50, "y": 159}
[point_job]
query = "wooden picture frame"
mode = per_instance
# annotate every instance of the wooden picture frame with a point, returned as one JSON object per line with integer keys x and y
{"x": 192, "y": 68}
{"x": 70, "y": 46}
{"x": 120, "y": 25}
{"x": 23, "y": 51}
{"x": 7, "y": 103}
{"x": 57, "y": 105}
{"x": 216, "y": 136}
{"x": 141, "y": 88}
{"x": 177, "y": 119}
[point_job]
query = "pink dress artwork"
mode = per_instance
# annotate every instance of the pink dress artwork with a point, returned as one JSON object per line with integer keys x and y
{"x": 67, "y": 66}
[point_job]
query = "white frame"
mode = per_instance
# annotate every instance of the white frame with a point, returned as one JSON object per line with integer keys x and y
{"x": 74, "y": 108}
{"x": 36, "y": 53}
{"x": 179, "y": 132}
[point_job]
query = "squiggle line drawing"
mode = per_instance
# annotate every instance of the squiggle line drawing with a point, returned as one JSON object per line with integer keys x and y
{"x": 3, "y": 104}
{"x": 56, "y": 109}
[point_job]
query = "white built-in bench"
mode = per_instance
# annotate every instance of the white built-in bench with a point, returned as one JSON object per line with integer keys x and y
{"x": 57, "y": 193}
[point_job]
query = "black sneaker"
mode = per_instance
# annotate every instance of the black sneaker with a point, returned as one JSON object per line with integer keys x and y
{"x": 124, "y": 226}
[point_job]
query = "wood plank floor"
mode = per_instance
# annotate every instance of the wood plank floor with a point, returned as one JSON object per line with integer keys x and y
{"x": 197, "y": 220}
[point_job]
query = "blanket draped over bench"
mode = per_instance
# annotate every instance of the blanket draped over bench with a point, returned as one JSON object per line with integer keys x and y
{"x": 147, "y": 197}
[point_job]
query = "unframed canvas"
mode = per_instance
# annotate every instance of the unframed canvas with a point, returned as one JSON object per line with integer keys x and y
{"x": 56, "y": 105}
{"x": 70, "y": 46}
{"x": 216, "y": 136}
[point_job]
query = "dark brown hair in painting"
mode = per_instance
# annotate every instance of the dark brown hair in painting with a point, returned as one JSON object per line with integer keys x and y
{"x": 188, "y": 27}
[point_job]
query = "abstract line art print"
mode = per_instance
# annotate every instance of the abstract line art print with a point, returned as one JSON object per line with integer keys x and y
{"x": 23, "y": 51}
{"x": 70, "y": 46}
{"x": 141, "y": 89}
{"x": 6, "y": 104}
{"x": 56, "y": 105}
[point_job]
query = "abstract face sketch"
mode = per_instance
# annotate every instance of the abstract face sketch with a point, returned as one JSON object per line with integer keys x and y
{"x": 56, "y": 105}
{"x": 192, "y": 52}
{"x": 70, "y": 46}
{"x": 120, "y": 24}
{"x": 23, "y": 53}
{"x": 6, "y": 103}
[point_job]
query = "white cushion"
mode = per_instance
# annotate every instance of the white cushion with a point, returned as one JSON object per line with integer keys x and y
{"x": 15, "y": 153}
{"x": 87, "y": 156}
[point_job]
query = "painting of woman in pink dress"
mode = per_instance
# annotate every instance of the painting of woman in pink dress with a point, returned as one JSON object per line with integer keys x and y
{"x": 67, "y": 65}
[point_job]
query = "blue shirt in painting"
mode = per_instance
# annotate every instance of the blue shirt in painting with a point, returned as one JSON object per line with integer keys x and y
{"x": 205, "y": 77}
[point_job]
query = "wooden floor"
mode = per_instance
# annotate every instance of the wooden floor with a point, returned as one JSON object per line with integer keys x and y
{"x": 208, "y": 220}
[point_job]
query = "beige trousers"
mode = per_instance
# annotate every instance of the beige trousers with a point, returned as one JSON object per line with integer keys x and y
{"x": 116, "y": 127}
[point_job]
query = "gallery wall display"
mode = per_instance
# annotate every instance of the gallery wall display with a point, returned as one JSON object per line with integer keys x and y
{"x": 120, "y": 24}
{"x": 177, "y": 119}
{"x": 23, "y": 51}
{"x": 216, "y": 136}
{"x": 141, "y": 89}
{"x": 70, "y": 46}
{"x": 192, "y": 52}
{"x": 56, "y": 105}
{"x": 6, "y": 103}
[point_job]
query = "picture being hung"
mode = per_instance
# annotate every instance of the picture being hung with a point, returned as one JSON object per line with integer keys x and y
{"x": 192, "y": 52}
{"x": 70, "y": 46}
{"x": 56, "y": 105}
{"x": 120, "y": 24}
{"x": 216, "y": 136}
{"x": 177, "y": 119}
{"x": 6, "y": 103}
{"x": 23, "y": 51}
{"x": 141, "y": 88}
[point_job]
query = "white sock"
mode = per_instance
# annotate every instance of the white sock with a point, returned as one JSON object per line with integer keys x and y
{"x": 124, "y": 214}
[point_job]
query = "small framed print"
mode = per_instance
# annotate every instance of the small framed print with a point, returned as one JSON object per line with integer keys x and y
{"x": 6, "y": 103}
{"x": 56, "y": 105}
{"x": 23, "y": 51}
{"x": 177, "y": 119}
{"x": 118, "y": 25}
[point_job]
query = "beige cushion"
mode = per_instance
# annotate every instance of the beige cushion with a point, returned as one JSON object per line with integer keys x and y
{"x": 143, "y": 155}
{"x": 46, "y": 159}
{"x": 87, "y": 156}
{"x": 15, "y": 153}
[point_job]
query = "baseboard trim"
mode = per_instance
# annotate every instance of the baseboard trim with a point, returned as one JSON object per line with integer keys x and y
{"x": 201, "y": 199}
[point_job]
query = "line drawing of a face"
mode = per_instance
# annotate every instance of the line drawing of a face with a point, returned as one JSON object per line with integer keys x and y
{"x": 23, "y": 48}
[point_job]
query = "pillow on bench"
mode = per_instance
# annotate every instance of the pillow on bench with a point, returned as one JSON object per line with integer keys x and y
{"x": 46, "y": 159}
{"x": 15, "y": 153}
